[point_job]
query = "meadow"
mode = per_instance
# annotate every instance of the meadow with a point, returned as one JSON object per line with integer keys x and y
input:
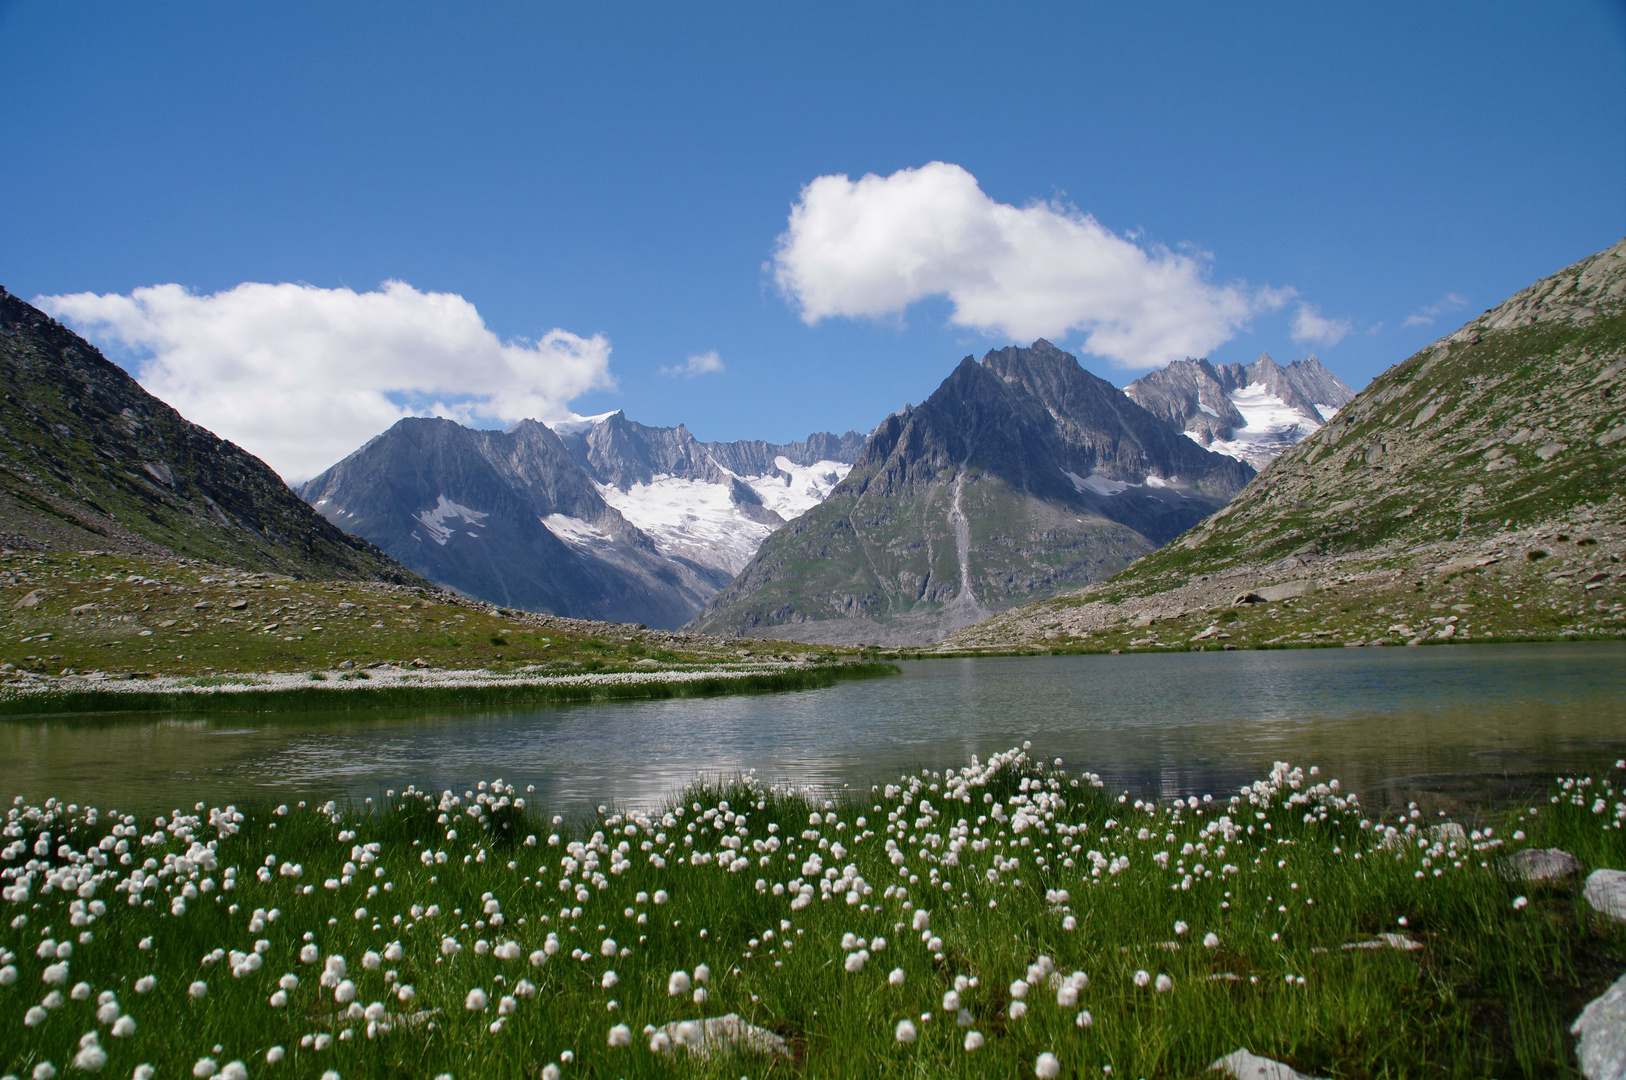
{"x": 1011, "y": 918}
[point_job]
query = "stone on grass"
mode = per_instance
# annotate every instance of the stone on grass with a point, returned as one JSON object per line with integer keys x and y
{"x": 1602, "y": 1031}
{"x": 1606, "y": 892}
{"x": 724, "y": 1035}
{"x": 1248, "y": 1066}
{"x": 1542, "y": 864}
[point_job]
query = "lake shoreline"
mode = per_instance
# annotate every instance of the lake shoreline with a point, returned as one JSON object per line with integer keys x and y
{"x": 389, "y": 686}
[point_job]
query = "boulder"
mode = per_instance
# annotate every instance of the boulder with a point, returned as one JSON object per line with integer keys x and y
{"x": 1606, "y": 892}
{"x": 1248, "y": 1066}
{"x": 1542, "y": 864}
{"x": 31, "y": 599}
{"x": 1601, "y": 1028}
{"x": 1271, "y": 594}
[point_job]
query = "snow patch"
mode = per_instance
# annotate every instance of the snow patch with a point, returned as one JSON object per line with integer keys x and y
{"x": 690, "y": 519}
{"x": 1270, "y": 426}
{"x": 575, "y": 425}
{"x": 1099, "y": 484}
{"x": 573, "y": 530}
{"x": 1327, "y": 411}
{"x": 800, "y": 488}
{"x": 1208, "y": 410}
{"x": 434, "y": 520}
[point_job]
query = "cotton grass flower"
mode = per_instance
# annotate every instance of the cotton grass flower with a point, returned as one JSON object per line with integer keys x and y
{"x": 274, "y": 1055}
{"x": 620, "y": 1035}
{"x": 124, "y": 1027}
{"x": 1520, "y": 903}
{"x": 234, "y": 1070}
{"x": 1084, "y": 1019}
{"x": 905, "y": 1032}
{"x": 45, "y": 1071}
{"x": 34, "y": 1017}
{"x": 143, "y": 1072}
{"x": 1019, "y": 989}
{"x": 476, "y": 1001}
{"x": 951, "y": 1001}
{"x": 205, "y": 1068}
{"x": 1047, "y": 1067}
{"x": 145, "y": 984}
{"x": 198, "y": 989}
{"x": 895, "y": 977}
{"x": 1164, "y": 984}
{"x": 973, "y": 1041}
{"x": 1018, "y": 1010}
{"x": 1143, "y": 978}
{"x": 677, "y": 984}
{"x": 1211, "y": 940}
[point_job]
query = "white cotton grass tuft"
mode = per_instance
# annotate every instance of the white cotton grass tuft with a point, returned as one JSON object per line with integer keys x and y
{"x": 274, "y": 1055}
{"x": 205, "y": 1068}
{"x": 905, "y": 1032}
{"x": 1143, "y": 978}
{"x": 1019, "y": 989}
{"x": 145, "y": 984}
{"x": 476, "y": 1001}
{"x": 198, "y": 989}
{"x": 91, "y": 1056}
{"x": 895, "y": 977}
{"x": 1520, "y": 902}
{"x": 702, "y": 973}
{"x": 951, "y": 1001}
{"x": 1085, "y": 1020}
{"x": 1018, "y": 1010}
{"x": 45, "y": 1071}
{"x": 234, "y": 1070}
{"x": 620, "y": 1035}
{"x": 143, "y": 1072}
{"x": 677, "y": 984}
{"x": 1211, "y": 940}
{"x": 1180, "y": 927}
{"x": 1164, "y": 984}
{"x": 123, "y": 1027}
{"x": 609, "y": 980}
{"x": 1047, "y": 1067}
{"x": 973, "y": 1041}
{"x": 550, "y": 1071}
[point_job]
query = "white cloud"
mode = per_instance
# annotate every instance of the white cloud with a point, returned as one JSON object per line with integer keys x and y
{"x": 1311, "y": 327}
{"x": 705, "y": 363}
{"x": 1425, "y": 315}
{"x": 302, "y": 376}
{"x": 869, "y": 248}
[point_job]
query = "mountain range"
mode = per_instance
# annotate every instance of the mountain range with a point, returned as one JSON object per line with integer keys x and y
{"x": 1478, "y": 487}
{"x": 601, "y": 518}
{"x": 90, "y": 460}
{"x": 1020, "y": 476}
{"x": 1252, "y": 413}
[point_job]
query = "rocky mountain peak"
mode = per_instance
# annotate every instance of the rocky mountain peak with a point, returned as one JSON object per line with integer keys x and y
{"x": 1594, "y": 286}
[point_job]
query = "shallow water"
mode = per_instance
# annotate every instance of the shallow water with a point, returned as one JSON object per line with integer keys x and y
{"x": 1447, "y": 725}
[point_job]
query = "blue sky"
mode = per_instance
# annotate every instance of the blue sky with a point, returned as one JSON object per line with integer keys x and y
{"x": 624, "y": 172}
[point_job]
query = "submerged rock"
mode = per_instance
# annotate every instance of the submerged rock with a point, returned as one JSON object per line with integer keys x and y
{"x": 1606, "y": 892}
{"x": 1542, "y": 864}
{"x": 1244, "y": 1065}
{"x": 723, "y": 1034}
{"x": 1602, "y": 1031}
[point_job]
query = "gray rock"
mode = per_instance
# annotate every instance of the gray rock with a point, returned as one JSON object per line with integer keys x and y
{"x": 1271, "y": 594}
{"x": 1542, "y": 864}
{"x": 1606, "y": 892}
{"x": 1248, "y": 1066}
{"x": 1601, "y": 1028}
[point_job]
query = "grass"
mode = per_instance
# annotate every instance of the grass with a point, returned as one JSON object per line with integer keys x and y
{"x": 344, "y": 695}
{"x": 982, "y": 881}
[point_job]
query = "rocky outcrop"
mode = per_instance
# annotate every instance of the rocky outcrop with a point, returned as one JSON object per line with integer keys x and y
{"x": 1021, "y": 475}
{"x": 1242, "y": 1064}
{"x": 88, "y": 459}
{"x": 1606, "y": 891}
{"x": 1601, "y": 1029}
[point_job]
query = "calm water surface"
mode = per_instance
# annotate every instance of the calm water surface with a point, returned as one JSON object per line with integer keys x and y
{"x": 1448, "y": 725}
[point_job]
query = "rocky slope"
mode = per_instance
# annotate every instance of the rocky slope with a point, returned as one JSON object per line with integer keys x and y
{"x": 598, "y": 519}
{"x": 1020, "y": 476}
{"x": 1252, "y": 413}
{"x": 1476, "y": 489}
{"x": 88, "y": 459}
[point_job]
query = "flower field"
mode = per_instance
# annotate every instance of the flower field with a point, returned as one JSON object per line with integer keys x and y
{"x": 1007, "y": 918}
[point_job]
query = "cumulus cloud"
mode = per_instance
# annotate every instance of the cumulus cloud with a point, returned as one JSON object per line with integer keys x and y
{"x": 301, "y": 376}
{"x": 1310, "y": 327}
{"x": 1425, "y": 315}
{"x": 705, "y": 363}
{"x": 869, "y": 248}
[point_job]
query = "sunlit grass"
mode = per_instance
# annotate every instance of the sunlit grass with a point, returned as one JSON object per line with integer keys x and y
{"x": 1062, "y": 920}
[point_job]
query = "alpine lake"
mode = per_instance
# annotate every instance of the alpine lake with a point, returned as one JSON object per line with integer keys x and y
{"x": 1457, "y": 728}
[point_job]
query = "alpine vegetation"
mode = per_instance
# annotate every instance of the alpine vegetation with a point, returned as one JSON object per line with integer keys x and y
{"x": 1006, "y": 918}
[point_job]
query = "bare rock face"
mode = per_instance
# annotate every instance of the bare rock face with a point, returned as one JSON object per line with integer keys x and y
{"x": 1606, "y": 892}
{"x": 1543, "y": 864}
{"x": 1601, "y": 1028}
{"x": 720, "y": 1035}
{"x": 1244, "y": 1065}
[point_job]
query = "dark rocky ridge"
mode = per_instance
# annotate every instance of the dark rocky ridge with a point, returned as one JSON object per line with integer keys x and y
{"x": 467, "y": 508}
{"x": 1477, "y": 464}
{"x": 89, "y": 459}
{"x": 964, "y": 505}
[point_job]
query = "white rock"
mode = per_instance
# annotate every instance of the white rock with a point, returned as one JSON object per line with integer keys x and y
{"x": 1606, "y": 892}
{"x": 1247, "y": 1066}
{"x": 1602, "y": 1030}
{"x": 1543, "y": 864}
{"x": 724, "y": 1034}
